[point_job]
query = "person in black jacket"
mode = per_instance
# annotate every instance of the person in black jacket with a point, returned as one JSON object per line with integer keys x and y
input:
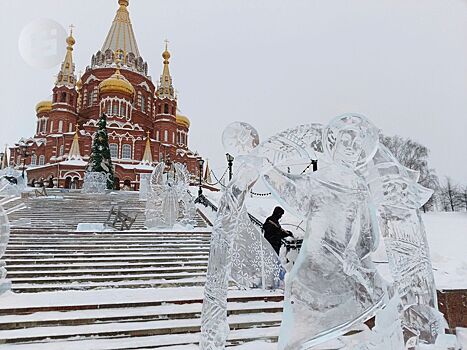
{"x": 273, "y": 231}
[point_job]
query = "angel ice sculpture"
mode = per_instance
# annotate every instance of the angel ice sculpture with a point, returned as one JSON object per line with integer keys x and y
{"x": 169, "y": 200}
{"x": 360, "y": 193}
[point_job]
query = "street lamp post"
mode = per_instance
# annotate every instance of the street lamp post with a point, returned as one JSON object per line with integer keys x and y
{"x": 230, "y": 160}
{"x": 201, "y": 164}
{"x": 23, "y": 148}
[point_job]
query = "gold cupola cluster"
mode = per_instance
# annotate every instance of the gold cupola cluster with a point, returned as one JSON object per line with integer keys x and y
{"x": 43, "y": 107}
{"x": 183, "y": 121}
{"x": 117, "y": 83}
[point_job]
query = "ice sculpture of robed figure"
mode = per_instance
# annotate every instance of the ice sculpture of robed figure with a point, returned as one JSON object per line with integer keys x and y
{"x": 359, "y": 193}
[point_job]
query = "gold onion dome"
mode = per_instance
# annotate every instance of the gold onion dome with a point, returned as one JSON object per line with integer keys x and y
{"x": 70, "y": 40}
{"x": 183, "y": 120}
{"x": 43, "y": 107}
{"x": 123, "y": 2}
{"x": 117, "y": 83}
{"x": 166, "y": 54}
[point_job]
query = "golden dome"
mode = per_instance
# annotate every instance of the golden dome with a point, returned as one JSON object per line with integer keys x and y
{"x": 44, "y": 107}
{"x": 70, "y": 40}
{"x": 123, "y": 2}
{"x": 166, "y": 55}
{"x": 183, "y": 120}
{"x": 117, "y": 83}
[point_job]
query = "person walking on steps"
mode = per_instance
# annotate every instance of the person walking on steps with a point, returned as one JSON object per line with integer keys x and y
{"x": 273, "y": 232}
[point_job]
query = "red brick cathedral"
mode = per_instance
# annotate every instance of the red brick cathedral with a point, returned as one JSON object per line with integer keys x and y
{"x": 143, "y": 124}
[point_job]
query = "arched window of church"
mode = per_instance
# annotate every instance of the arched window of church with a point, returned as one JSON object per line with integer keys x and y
{"x": 91, "y": 99}
{"x": 173, "y": 137}
{"x": 115, "y": 110}
{"x": 33, "y": 160}
{"x": 109, "y": 108}
{"x": 113, "y": 150}
{"x": 166, "y": 136}
{"x": 157, "y": 135}
{"x": 126, "y": 152}
{"x": 60, "y": 126}
{"x": 62, "y": 150}
{"x": 166, "y": 108}
{"x": 18, "y": 160}
{"x": 70, "y": 127}
{"x": 41, "y": 160}
{"x": 51, "y": 125}
{"x": 143, "y": 104}
{"x": 63, "y": 97}
{"x": 38, "y": 126}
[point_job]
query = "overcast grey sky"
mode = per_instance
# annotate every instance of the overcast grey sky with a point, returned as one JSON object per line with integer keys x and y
{"x": 273, "y": 64}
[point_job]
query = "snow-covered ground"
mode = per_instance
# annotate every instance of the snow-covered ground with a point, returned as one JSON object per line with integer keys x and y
{"x": 447, "y": 237}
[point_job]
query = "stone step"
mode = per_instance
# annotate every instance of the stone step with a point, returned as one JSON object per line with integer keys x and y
{"x": 103, "y": 272}
{"x": 43, "y": 255}
{"x": 134, "y": 329}
{"x": 139, "y": 276}
{"x": 105, "y": 266}
{"x": 119, "y": 245}
{"x": 138, "y": 259}
{"x": 167, "y": 311}
{"x": 160, "y": 342}
{"x": 132, "y": 284}
{"x": 108, "y": 248}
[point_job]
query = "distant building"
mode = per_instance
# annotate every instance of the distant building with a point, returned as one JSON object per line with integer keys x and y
{"x": 143, "y": 124}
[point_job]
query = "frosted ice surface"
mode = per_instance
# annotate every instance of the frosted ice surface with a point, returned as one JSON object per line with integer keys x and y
{"x": 239, "y": 138}
{"x": 94, "y": 182}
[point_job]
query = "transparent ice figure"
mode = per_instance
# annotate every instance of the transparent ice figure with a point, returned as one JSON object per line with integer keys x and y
{"x": 359, "y": 193}
{"x": 94, "y": 182}
{"x": 144, "y": 185}
{"x": 169, "y": 201}
{"x": 8, "y": 188}
{"x": 238, "y": 251}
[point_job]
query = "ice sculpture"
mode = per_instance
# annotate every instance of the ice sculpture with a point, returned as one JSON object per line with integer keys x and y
{"x": 144, "y": 185}
{"x": 5, "y": 285}
{"x": 359, "y": 194}
{"x": 94, "y": 182}
{"x": 12, "y": 182}
{"x": 169, "y": 200}
{"x": 237, "y": 250}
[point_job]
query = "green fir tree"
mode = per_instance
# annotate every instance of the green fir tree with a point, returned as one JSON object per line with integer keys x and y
{"x": 100, "y": 160}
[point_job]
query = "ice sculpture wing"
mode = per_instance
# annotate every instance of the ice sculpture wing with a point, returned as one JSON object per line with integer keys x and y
{"x": 392, "y": 184}
{"x": 398, "y": 197}
{"x": 303, "y": 142}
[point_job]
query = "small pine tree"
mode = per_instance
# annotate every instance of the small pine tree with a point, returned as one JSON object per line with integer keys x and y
{"x": 100, "y": 160}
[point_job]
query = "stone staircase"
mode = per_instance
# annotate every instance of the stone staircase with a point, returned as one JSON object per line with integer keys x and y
{"x": 64, "y": 210}
{"x": 40, "y": 261}
{"x": 113, "y": 290}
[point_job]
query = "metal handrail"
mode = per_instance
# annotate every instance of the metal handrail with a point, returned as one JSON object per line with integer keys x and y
{"x": 201, "y": 199}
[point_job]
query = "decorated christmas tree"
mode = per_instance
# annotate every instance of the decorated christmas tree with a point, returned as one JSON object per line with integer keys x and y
{"x": 100, "y": 160}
